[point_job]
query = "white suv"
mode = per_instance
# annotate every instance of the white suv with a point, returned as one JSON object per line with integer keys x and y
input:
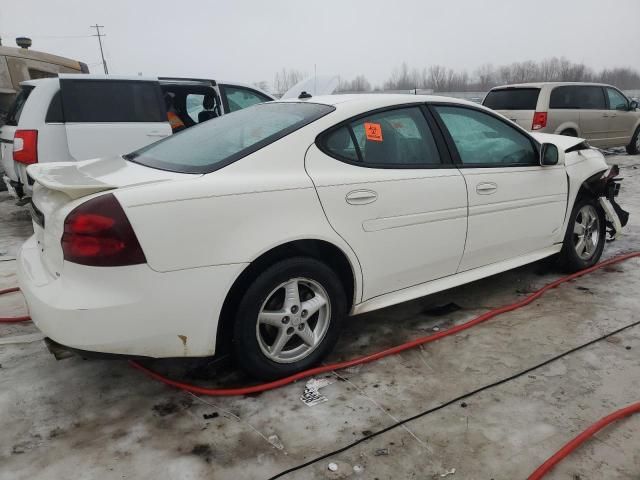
{"x": 78, "y": 117}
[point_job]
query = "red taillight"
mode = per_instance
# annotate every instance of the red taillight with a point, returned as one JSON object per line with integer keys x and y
{"x": 539, "y": 120}
{"x": 25, "y": 146}
{"x": 98, "y": 233}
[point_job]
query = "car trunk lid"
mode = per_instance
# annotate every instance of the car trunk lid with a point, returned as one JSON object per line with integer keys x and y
{"x": 59, "y": 186}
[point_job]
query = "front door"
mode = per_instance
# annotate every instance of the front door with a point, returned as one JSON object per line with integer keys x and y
{"x": 516, "y": 206}
{"x": 622, "y": 121}
{"x": 387, "y": 187}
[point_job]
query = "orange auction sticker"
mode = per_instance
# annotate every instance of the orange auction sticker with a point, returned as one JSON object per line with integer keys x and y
{"x": 373, "y": 131}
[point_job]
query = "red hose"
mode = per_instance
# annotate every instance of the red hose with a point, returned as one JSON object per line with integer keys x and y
{"x": 384, "y": 353}
{"x": 13, "y": 319}
{"x": 538, "y": 474}
{"x": 546, "y": 467}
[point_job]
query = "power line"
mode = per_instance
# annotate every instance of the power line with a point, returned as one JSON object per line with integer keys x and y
{"x": 100, "y": 35}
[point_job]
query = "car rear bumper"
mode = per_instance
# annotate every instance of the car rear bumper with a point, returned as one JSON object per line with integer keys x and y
{"x": 130, "y": 310}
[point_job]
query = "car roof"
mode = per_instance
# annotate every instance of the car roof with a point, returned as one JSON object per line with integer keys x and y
{"x": 551, "y": 84}
{"x": 98, "y": 76}
{"x": 377, "y": 100}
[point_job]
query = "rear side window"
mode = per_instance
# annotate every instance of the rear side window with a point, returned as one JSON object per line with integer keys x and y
{"x": 97, "y": 101}
{"x": 13, "y": 116}
{"x": 54, "y": 112}
{"x": 210, "y": 146}
{"x": 512, "y": 99}
{"x": 577, "y": 97}
{"x": 398, "y": 138}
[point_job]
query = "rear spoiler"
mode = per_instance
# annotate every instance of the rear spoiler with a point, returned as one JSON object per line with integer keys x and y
{"x": 76, "y": 183}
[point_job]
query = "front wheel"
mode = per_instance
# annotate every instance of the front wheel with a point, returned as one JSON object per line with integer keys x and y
{"x": 289, "y": 318}
{"x": 634, "y": 147}
{"x": 585, "y": 236}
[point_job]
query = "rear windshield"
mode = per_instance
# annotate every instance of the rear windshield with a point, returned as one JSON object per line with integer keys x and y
{"x": 212, "y": 145}
{"x": 113, "y": 101}
{"x": 512, "y": 99}
{"x": 13, "y": 116}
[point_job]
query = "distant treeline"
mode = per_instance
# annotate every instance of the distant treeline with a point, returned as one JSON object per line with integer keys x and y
{"x": 442, "y": 79}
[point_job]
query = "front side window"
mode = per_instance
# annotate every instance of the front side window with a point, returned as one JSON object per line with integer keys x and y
{"x": 210, "y": 146}
{"x": 240, "y": 97}
{"x": 393, "y": 138}
{"x": 112, "y": 101}
{"x": 483, "y": 140}
{"x": 617, "y": 101}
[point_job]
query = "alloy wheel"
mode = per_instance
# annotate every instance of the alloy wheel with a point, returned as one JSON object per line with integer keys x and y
{"x": 293, "y": 320}
{"x": 586, "y": 232}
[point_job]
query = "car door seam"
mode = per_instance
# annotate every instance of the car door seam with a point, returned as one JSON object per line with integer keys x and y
{"x": 315, "y": 189}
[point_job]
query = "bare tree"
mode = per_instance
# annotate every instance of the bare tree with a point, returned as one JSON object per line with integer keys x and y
{"x": 285, "y": 79}
{"x": 401, "y": 79}
{"x": 486, "y": 76}
{"x": 262, "y": 85}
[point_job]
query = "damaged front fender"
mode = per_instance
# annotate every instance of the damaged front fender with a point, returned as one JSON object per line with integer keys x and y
{"x": 606, "y": 188}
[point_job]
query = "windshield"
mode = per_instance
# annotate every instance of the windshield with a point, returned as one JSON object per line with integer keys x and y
{"x": 218, "y": 142}
{"x": 512, "y": 99}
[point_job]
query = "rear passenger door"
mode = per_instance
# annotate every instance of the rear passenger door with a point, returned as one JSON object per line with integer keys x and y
{"x": 111, "y": 117}
{"x": 516, "y": 206}
{"x": 388, "y": 188}
{"x": 581, "y": 106}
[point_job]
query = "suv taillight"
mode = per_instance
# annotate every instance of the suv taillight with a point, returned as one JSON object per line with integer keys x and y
{"x": 98, "y": 233}
{"x": 25, "y": 146}
{"x": 539, "y": 120}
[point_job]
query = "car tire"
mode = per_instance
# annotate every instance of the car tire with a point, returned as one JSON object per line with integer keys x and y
{"x": 569, "y": 133}
{"x": 634, "y": 147}
{"x": 274, "y": 334}
{"x": 585, "y": 236}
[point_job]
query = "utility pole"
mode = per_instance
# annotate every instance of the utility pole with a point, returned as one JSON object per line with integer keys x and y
{"x": 100, "y": 35}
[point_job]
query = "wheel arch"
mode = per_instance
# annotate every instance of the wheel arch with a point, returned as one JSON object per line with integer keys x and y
{"x": 335, "y": 257}
{"x": 580, "y": 176}
{"x": 568, "y": 126}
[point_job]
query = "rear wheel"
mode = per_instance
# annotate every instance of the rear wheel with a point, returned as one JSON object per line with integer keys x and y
{"x": 585, "y": 237}
{"x": 634, "y": 147}
{"x": 289, "y": 318}
{"x": 569, "y": 133}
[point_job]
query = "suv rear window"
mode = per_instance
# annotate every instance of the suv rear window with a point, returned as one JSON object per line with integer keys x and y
{"x": 98, "y": 101}
{"x": 210, "y": 146}
{"x": 13, "y": 116}
{"x": 512, "y": 99}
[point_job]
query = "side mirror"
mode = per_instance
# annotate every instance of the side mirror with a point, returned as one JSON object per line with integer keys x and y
{"x": 633, "y": 105}
{"x": 548, "y": 154}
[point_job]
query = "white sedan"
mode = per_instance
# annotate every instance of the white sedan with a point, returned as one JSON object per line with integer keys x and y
{"x": 261, "y": 231}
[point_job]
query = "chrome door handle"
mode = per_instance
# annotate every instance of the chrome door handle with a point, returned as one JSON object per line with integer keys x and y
{"x": 486, "y": 188}
{"x": 157, "y": 134}
{"x": 361, "y": 197}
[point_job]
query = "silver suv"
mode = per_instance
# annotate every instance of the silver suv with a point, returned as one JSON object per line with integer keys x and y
{"x": 602, "y": 114}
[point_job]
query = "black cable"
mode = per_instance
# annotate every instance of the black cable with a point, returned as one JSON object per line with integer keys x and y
{"x": 455, "y": 400}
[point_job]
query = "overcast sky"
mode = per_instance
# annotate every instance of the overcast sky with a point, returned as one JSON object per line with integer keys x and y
{"x": 250, "y": 40}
